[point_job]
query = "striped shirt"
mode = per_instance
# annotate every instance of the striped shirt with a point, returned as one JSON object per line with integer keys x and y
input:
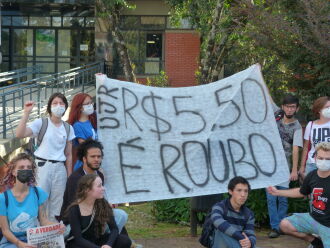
{"x": 228, "y": 221}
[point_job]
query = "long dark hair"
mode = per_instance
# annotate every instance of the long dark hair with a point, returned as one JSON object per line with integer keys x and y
{"x": 103, "y": 211}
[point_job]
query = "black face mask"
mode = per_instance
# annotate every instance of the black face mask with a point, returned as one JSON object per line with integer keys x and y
{"x": 24, "y": 176}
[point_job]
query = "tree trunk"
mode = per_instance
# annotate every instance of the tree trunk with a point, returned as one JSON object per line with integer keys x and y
{"x": 112, "y": 19}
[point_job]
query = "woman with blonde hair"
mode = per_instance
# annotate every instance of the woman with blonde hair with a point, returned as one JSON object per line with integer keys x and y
{"x": 91, "y": 218}
{"x": 22, "y": 204}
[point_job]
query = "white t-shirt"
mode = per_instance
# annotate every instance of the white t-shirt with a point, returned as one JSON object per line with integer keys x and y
{"x": 54, "y": 142}
{"x": 319, "y": 133}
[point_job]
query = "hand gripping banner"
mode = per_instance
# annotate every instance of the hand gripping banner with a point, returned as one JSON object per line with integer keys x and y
{"x": 162, "y": 143}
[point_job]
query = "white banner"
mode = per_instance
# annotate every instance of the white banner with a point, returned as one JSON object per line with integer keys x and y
{"x": 162, "y": 143}
{"x": 46, "y": 236}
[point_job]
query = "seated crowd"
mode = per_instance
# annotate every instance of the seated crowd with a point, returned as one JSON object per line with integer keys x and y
{"x": 66, "y": 170}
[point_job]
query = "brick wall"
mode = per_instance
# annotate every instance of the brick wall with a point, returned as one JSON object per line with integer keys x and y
{"x": 181, "y": 57}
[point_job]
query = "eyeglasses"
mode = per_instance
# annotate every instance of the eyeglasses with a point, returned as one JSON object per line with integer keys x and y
{"x": 290, "y": 106}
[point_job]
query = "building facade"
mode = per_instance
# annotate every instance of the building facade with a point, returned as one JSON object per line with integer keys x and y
{"x": 63, "y": 34}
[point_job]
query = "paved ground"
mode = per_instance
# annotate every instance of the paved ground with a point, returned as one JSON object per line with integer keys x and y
{"x": 187, "y": 242}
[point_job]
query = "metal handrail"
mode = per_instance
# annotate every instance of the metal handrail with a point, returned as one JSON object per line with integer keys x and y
{"x": 70, "y": 82}
{"x": 19, "y": 74}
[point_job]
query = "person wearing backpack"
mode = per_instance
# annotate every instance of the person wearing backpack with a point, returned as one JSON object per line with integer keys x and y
{"x": 232, "y": 220}
{"x": 316, "y": 131}
{"x": 22, "y": 204}
{"x": 54, "y": 154}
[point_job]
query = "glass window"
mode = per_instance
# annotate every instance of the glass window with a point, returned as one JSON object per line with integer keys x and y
{"x": 20, "y": 20}
{"x": 183, "y": 23}
{"x": 5, "y": 41}
{"x": 90, "y": 21}
{"x": 39, "y": 21}
{"x": 73, "y": 21}
{"x": 152, "y": 22}
{"x": 57, "y": 21}
{"x": 22, "y": 42}
{"x": 154, "y": 46}
{"x": 130, "y": 22}
{"x": 6, "y": 20}
{"x": 45, "y": 42}
{"x": 64, "y": 42}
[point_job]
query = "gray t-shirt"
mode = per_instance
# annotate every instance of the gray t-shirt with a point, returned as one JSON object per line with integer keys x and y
{"x": 291, "y": 135}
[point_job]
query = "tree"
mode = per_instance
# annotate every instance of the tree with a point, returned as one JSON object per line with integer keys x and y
{"x": 110, "y": 11}
{"x": 294, "y": 37}
{"x": 290, "y": 39}
{"x": 216, "y": 21}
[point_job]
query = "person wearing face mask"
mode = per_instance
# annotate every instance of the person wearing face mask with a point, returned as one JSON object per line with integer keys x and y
{"x": 316, "y": 131}
{"x": 22, "y": 204}
{"x": 83, "y": 119}
{"x": 54, "y": 154}
{"x": 290, "y": 132}
{"x": 317, "y": 184}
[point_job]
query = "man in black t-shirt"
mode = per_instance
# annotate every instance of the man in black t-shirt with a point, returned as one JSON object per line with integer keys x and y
{"x": 317, "y": 183}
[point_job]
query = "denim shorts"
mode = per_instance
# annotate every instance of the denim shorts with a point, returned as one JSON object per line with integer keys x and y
{"x": 305, "y": 223}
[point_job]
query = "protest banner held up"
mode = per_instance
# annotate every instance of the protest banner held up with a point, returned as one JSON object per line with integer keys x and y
{"x": 162, "y": 143}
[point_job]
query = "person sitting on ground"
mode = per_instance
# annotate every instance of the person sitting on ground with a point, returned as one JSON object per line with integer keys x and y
{"x": 92, "y": 213}
{"x": 291, "y": 135}
{"x": 91, "y": 153}
{"x": 317, "y": 183}
{"x": 233, "y": 221}
{"x": 22, "y": 204}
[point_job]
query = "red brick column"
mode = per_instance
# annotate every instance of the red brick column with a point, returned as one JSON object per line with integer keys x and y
{"x": 181, "y": 57}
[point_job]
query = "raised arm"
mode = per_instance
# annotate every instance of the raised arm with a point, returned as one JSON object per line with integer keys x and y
{"x": 22, "y": 130}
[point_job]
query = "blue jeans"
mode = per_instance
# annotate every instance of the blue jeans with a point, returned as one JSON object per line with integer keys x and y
{"x": 304, "y": 223}
{"x": 120, "y": 217}
{"x": 310, "y": 167}
{"x": 222, "y": 240}
{"x": 277, "y": 208}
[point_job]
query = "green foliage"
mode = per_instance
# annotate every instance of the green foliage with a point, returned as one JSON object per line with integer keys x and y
{"x": 173, "y": 211}
{"x": 160, "y": 80}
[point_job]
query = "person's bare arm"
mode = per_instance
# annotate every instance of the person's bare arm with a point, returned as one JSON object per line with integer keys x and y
{"x": 22, "y": 130}
{"x": 303, "y": 158}
{"x": 292, "y": 193}
{"x": 68, "y": 155}
{"x": 10, "y": 236}
{"x": 295, "y": 158}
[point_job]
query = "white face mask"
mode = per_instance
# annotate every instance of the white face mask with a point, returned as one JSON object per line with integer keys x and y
{"x": 88, "y": 109}
{"x": 326, "y": 112}
{"x": 58, "y": 110}
{"x": 323, "y": 165}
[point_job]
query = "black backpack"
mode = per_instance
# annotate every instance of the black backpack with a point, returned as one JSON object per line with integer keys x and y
{"x": 7, "y": 203}
{"x": 207, "y": 236}
{"x": 34, "y": 143}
